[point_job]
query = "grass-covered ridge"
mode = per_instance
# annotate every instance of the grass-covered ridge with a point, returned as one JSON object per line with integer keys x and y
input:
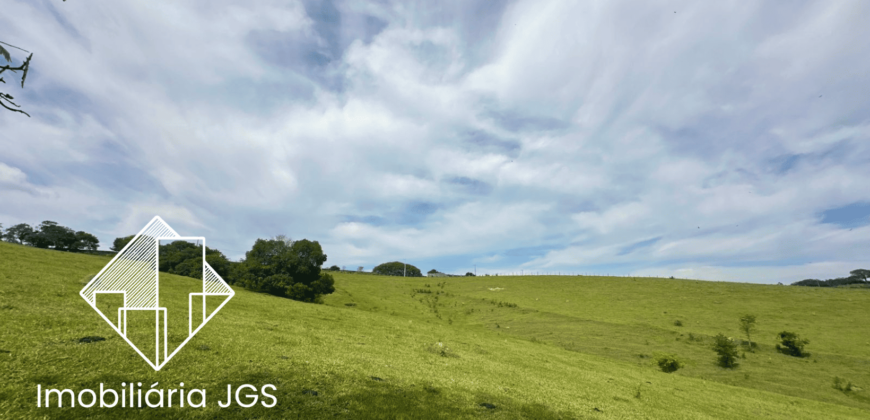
{"x": 533, "y": 347}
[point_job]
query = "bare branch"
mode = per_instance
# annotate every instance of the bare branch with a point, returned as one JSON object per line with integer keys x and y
{"x": 9, "y": 98}
{"x": 22, "y": 49}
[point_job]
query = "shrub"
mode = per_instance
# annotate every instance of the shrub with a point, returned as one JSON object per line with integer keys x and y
{"x": 727, "y": 351}
{"x": 791, "y": 344}
{"x": 668, "y": 363}
{"x": 838, "y": 385}
{"x": 441, "y": 350}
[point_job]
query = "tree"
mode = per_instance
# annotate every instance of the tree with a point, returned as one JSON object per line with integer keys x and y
{"x": 359, "y": 269}
{"x": 791, "y": 344}
{"x": 185, "y": 259}
{"x": 747, "y": 325}
{"x": 18, "y": 233}
{"x": 120, "y": 243}
{"x": 727, "y": 351}
{"x": 397, "y": 268}
{"x": 432, "y": 271}
{"x": 22, "y": 68}
{"x": 289, "y": 270}
{"x": 470, "y": 274}
{"x": 861, "y": 274}
{"x": 334, "y": 268}
{"x": 50, "y": 234}
{"x": 85, "y": 240}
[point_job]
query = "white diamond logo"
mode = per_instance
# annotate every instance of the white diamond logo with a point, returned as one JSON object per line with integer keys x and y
{"x": 148, "y": 315}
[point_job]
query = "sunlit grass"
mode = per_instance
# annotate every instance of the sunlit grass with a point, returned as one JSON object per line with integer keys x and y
{"x": 570, "y": 348}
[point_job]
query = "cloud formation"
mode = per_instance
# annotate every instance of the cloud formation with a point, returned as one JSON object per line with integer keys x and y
{"x": 697, "y": 140}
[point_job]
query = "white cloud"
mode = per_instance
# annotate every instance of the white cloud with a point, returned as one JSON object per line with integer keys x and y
{"x": 570, "y": 130}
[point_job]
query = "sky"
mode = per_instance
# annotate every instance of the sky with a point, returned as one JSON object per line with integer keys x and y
{"x": 724, "y": 141}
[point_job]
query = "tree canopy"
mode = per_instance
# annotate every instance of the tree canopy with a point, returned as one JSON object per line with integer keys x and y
{"x": 185, "y": 259}
{"x": 120, "y": 243}
{"x": 285, "y": 268}
{"x": 51, "y": 235}
{"x": 397, "y": 268}
{"x": 858, "y": 276}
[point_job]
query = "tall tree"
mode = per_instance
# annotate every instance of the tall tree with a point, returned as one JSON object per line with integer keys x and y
{"x": 861, "y": 273}
{"x": 747, "y": 325}
{"x": 293, "y": 271}
{"x": 56, "y": 236}
{"x": 18, "y": 233}
{"x": 120, "y": 243}
{"x": 86, "y": 241}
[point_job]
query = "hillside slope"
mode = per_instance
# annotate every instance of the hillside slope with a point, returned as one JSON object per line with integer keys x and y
{"x": 544, "y": 358}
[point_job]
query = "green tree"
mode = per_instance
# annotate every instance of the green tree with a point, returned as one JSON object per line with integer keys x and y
{"x": 120, "y": 243}
{"x": 432, "y": 271}
{"x": 397, "y": 268}
{"x": 284, "y": 268}
{"x": 791, "y": 344}
{"x": 334, "y": 268}
{"x": 86, "y": 241}
{"x": 469, "y": 274}
{"x": 18, "y": 233}
{"x": 747, "y": 325}
{"x": 727, "y": 351}
{"x": 185, "y": 259}
{"x": 861, "y": 274}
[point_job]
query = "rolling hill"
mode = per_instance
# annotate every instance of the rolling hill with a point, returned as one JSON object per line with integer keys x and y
{"x": 474, "y": 347}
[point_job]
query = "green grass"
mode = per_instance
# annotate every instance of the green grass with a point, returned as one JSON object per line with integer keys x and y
{"x": 571, "y": 347}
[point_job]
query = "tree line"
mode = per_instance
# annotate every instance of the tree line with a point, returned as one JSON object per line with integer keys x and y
{"x": 278, "y": 266}
{"x": 50, "y": 235}
{"x": 859, "y": 276}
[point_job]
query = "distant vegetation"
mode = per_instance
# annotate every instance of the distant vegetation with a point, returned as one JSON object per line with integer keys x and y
{"x": 397, "y": 268}
{"x": 50, "y": 235}
{"x": 859, "y": 276}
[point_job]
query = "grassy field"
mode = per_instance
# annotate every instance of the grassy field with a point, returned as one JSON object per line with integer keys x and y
{"x": 385, "y": 347}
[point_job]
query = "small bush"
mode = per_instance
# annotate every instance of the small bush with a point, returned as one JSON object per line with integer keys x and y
{"x": 727, "y": 351}
{"x": 678, "y": 323}
{"x": 441, "y": 350}
{"x": 668, "y": 364}
{"x": 839, "y": 385}
{"x": 792, "y": 345}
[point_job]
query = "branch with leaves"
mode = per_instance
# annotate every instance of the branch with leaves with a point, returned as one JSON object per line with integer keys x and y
{"x": 22, "y": 68}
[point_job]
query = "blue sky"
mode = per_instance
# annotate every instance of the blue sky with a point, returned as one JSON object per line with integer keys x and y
{"x": 708, "y": 140}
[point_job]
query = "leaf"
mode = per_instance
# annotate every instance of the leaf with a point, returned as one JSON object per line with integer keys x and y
{"x": 5, "y": 54}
